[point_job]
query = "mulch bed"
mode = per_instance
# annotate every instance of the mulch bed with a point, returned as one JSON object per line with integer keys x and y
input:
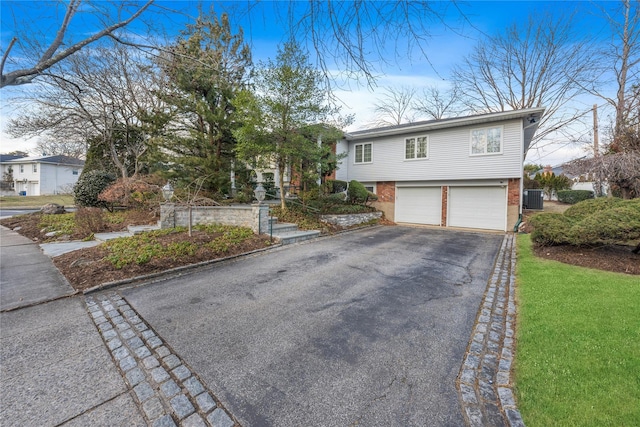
{"x": 616, "y": 258}
{"x": 88, "y": 267}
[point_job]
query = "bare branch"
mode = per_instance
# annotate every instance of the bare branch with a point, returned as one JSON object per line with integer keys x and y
{"x": 49, "y": 58}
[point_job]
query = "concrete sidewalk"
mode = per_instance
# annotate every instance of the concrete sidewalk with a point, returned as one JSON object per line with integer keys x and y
{"x": 27, "y": 275}
{"x": 54, "y": 366}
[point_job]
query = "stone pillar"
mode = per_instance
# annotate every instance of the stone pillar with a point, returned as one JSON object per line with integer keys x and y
{"x": 260, "y": 218}
{"x": 168, "y": 215}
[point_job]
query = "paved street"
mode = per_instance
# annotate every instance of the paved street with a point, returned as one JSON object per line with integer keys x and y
{"x": 366, "y": 328}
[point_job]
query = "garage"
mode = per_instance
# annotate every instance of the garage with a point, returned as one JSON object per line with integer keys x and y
{"x": 478, "y": 207}
{"x": 418, "y": 205}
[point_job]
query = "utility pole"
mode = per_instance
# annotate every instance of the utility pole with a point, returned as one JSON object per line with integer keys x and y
{"x": 595, "y": 130}
{"x": 597, "y": 185}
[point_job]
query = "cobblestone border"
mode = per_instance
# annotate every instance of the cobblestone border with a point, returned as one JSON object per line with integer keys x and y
{"x": 165, "y": 388}
{"x": 484, "y": 382}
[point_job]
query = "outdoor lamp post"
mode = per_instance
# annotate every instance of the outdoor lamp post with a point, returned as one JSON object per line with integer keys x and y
{"x": 260, "y": 192}
{"x": 167, "y": 192}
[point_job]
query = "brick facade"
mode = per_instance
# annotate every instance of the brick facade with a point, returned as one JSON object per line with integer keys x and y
{"x": 386, "y": 191}
{"x": 513, "y": 198}
{"x": 445, "y": 199}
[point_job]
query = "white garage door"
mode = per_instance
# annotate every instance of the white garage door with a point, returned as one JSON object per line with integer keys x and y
{"x": 418, "y": 205}
{"x": 478, "y": 207}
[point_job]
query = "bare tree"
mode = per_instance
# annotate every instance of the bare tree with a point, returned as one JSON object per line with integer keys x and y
{"x": 43, "y": 58}
{"x": 617, "y": 64}
{"x": 538, "y": 65}
{"x": 621, "y": 169}
{"x": 394, "y": 106}
{"x": 438, "y": 104}
{"x": 71, "y": 148}
{"x": 358, "y": 37}
{"x": 98, "y": 97}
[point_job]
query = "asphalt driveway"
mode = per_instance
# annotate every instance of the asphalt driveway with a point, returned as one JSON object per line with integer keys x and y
{"x": 366, "y": 328}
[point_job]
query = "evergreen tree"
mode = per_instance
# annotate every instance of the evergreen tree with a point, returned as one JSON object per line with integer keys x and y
{"x": 280, "y": 116}
{"x": 206, "y": 68}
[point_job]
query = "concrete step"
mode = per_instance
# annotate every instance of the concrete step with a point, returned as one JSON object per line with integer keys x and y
{"x": 283, "y": 227}
{"x": 289, "y": 237}
{"x": 136, "y": 229}
{"x": 103, "y": 237}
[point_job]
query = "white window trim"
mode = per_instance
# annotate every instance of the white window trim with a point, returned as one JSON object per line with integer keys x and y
{"x": 371, "y": 184}
{"x": 355, "y": 162}
{"x": 34, "y": 168}
{"x": 415, "y": 150}
{"x": 472, "y": 154}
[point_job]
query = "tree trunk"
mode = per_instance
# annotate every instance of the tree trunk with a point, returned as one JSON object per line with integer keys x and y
{"x": 281, "y": 167}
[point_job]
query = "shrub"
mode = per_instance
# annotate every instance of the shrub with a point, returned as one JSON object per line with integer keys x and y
{"x": 590, "y": 222}
{"x": 621, "y": 223}
{"x": 550, "y": 229}
{"x": 131, "y": 192}
{"x": 333, "y": 186}
{"x": 89, "y": 187}
{"x": 357, "y": 193}
{"x": 587, "y": 207}
{"x": 90, "y": 220}
{"x": 574, "y": 196}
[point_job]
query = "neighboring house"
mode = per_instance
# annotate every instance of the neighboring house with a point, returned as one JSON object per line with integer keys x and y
{"x": 7, "y": 184}
{"x": 37, "y": 176}
{"x": 581, "y": 182}
{"x": 463, "y": 172}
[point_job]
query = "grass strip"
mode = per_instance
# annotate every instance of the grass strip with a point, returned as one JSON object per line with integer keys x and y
{"x": 578, "y": 344}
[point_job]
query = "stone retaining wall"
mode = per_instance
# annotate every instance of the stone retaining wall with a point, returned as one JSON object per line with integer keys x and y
{"x": 350, "y": 219}
{"x": 255, "y": 217}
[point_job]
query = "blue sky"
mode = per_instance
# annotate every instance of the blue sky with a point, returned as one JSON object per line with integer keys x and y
{"x": 445, "y": 46}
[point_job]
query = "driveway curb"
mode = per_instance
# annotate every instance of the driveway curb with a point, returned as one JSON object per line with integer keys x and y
{"x": 484, "y": 382}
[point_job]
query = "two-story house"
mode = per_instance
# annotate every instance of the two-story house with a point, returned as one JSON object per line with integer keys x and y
{"x": 463, "y": 172}
{"x": 43, "y": 175}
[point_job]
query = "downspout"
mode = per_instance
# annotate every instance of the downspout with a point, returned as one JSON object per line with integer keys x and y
{"x": 515, "y": 227}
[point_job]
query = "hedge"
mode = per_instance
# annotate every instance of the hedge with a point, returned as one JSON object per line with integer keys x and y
{"x": 89, "y": 187}
{"x": 591, "y": 222}
{"x": 574, "y": 196}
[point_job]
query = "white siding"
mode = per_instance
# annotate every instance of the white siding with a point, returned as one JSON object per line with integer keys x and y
{"x": 56, "y": 179}
{"x": 342, "y": 172}
{"x": 449, "y": 157}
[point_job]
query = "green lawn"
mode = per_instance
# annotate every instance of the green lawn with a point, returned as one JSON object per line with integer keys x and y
{"x": 578, "y": 344}
{"x": 7, "y": 202}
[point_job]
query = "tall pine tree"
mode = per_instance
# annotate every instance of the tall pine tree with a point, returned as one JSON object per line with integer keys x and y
{"x": 205, "y": 70}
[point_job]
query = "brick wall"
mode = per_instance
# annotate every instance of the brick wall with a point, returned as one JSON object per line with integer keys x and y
{"x": 514, "y": 192}
{"x": 386, "y": 191}
{"x": 445, "y": 198}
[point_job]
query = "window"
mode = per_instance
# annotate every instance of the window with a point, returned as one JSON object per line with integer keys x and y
{"x": 363, "y": 153}
{"x": 35, "y": 167}
{"x": 21, "y": 168}
{"x": 416, "y": 148}
{"x": 74, "y": 172}
{"x": 486, "y": 141}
